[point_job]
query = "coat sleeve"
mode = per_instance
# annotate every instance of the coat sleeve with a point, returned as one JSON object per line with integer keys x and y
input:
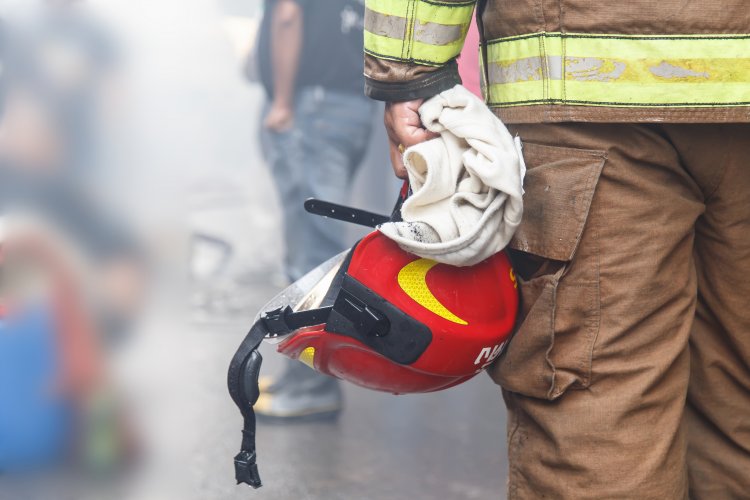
{"x": 411, "y": 46}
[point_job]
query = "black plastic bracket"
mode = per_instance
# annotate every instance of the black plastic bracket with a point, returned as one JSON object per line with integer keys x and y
{"x": 344, "y": 213}
{"x": 362, "y": 314}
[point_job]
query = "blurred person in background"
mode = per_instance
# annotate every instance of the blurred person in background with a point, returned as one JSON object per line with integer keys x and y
{"x": 61, "y": 69}
{"x": 316, "y": 127}
{"x": 58, "y": 71}
{"x": 72, "y": 276}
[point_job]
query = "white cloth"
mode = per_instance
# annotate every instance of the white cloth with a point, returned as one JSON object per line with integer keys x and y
{"x": 467, "y": 184}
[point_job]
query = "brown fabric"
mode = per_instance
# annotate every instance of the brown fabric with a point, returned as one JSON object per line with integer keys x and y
{"x": 393, "y": 71}
{"x": 629, "y": 375}
{"x": 502, "y": 18}
{"x": 594, "y": 114}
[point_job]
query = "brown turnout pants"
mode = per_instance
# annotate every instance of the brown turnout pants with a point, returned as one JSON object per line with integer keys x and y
{"x": 629, "y": 374}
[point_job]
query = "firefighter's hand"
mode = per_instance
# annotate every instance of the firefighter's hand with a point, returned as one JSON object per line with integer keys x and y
{"x": 280, "y": 117}
{"x": 404, "y": 129}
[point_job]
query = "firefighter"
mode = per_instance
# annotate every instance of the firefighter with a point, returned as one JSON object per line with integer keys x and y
{"x": 628, "y": 375}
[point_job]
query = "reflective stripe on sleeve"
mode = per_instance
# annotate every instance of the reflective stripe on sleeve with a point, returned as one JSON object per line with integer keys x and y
{"x": 619, "y": 70}
{"x": 424, "y": 31}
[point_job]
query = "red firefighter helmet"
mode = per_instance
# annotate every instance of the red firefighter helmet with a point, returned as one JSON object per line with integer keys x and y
{"x": 388, "y": 320}
{"x": 380, "y": 318}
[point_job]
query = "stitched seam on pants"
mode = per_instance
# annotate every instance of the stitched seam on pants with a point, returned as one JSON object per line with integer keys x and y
{"x": 590, "y": 362}
{"x": 589, "y": 334}
{"x": 591, "y": 181}
{"x": 551, "y": 391}
{"x": 592, "y": 222}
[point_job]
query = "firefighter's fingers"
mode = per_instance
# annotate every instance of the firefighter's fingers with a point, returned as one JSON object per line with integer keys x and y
{"x": 404, "y": 128}
{"x": 403, "y": 124}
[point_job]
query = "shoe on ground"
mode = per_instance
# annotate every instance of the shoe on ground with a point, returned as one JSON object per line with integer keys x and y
{"x": 300, "y": 394}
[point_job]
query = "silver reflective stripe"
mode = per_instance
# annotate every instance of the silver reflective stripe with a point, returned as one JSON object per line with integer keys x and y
{"x": 526, "y": 69}
{"x": 424, "y": 32}
{"x": 588, "y": 69}
{"x": 667, "y": 70}
{"x": 576, "y": 68}
{"x": 437, "y": 34}
{"x": 385, "y": 25}
{"x": 581, "y": 69}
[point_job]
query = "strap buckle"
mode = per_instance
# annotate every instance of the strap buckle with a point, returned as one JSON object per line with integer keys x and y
{"x": 246, "y": 470}
{"x": 275, "y": 321}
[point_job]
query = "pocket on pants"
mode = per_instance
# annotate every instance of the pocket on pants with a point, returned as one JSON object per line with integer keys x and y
{"x": 558, "y": 321}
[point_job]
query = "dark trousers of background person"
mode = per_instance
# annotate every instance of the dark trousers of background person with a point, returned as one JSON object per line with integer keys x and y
{"x": 318, "y": 158}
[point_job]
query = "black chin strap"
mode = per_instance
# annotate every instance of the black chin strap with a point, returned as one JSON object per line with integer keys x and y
{"x": 242, "y": 381}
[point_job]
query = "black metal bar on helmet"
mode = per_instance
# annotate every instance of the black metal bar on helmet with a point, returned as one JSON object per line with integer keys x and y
{"x": 344, "y": 213}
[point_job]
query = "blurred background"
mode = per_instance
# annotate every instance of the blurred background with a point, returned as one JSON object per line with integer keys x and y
{"x": 140, "y": 233}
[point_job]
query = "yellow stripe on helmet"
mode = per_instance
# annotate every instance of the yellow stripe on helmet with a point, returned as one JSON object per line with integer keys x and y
{"x": 413, "y": 281}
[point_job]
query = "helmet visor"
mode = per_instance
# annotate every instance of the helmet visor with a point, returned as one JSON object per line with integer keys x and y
{"x": 306, "y": 293}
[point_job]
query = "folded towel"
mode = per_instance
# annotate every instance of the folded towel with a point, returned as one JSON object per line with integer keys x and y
{"x": 467, "y": 184}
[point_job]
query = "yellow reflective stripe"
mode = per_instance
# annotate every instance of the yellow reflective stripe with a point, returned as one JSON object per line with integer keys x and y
{"x": 661, "y": 46}
{"x": 421, "y": 53}
{"x": 399, "y": 8}
{"x": 445, "y": 13}
{"x": 615, "y": 70}
{"x": 436, "y": 11}
{"x": 674, "y": 94}
{"x": 424, "y": 31}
